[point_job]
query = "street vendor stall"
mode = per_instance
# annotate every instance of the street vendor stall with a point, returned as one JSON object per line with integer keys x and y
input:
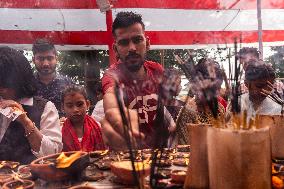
{"x": 99, "y": 169}
{"x": 227, "y": 148}
{"x": 180, "y": 24}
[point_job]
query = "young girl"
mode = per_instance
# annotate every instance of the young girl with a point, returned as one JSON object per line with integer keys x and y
{"x": 80, "y": 131}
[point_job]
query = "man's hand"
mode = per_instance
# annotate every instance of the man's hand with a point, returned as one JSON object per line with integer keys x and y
{"x": 114, "y": 130}
{"x": 23, "y": 118}
{"x": 111, "y": 137}
{"x": 31, "y": 132}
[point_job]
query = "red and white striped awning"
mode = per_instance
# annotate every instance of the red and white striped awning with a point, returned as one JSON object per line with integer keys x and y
{"x": 79, "y": 25}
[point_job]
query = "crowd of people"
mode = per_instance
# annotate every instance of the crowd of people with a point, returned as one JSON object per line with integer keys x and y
{"x": 139, "y": 98}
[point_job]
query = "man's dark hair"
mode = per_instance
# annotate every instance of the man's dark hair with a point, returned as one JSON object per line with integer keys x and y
{"x": 74, "y": 89}
{"x": 258, "y": 70}
{"x": 248, "y": 50}
{"x": 16, "y": 73}
{"x": 43, "y": 45}
{"x": 126, "y": 19}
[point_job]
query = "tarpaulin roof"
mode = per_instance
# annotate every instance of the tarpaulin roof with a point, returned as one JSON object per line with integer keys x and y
{"x": 79, "y": 25}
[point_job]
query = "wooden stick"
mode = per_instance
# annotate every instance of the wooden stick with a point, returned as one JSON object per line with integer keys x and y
{"x": 244, "y": 119}
{"x": 127, "y": 136}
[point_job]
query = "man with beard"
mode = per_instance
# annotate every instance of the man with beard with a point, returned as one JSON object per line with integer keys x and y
{"x": 245, "y": 55}
{"x": 259, "y": 78}
{"x": 49, "y": 83}
{"x": 136, "y": 77}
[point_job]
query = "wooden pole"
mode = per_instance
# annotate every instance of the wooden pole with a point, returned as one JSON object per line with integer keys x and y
{"x": 109, "y": 20}
{"x": 259, "y": 23}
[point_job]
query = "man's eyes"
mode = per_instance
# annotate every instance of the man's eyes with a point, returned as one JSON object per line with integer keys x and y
{"x": 136, "y": 40}
{"x": 42, "y": 58}
{"x": 123, "y": 42}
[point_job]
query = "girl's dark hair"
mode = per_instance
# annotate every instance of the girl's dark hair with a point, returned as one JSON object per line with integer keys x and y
{"x": 16, "y": 73}
{"x": 43, "y": 45}
{"x": 73, "y": 89}
{"x": 126, "y": 19}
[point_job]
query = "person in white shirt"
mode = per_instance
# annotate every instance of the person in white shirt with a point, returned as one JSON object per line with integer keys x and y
{"x": 257, "y": 77}
{"x": 98, "y": 113}
{"x": 34, "y": 133}
{"x": 245, "y": 55}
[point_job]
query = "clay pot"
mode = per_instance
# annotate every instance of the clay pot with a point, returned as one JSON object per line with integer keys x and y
{"x": 24, "y": 172}
{"x": 123, "y": 170}
{"x": 183, "y": 148}
{"x": 28, "y": 184}
{"x": 178, "y": 176}
{"x": 9, "y": 164}
{"x": 47, "y": 171}
{"x": 82, "y": 187}
{"x": 5, "y": 178}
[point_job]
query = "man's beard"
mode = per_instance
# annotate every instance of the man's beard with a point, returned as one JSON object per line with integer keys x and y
{"x": 133, "y": 62}
{"x": 46, "y": 70}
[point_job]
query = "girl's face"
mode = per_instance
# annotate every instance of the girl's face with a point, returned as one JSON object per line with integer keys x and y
{"x": 75, "y": 106}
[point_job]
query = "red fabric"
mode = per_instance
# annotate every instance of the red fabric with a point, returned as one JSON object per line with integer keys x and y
{"x": 222, "y": 101}
{"x": 92, "y": 138}
{"x": 141, "y": 94}
{"x": 153, "y": 69}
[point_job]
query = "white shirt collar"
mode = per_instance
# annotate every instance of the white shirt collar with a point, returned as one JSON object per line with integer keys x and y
{"x": 27, "y": 101}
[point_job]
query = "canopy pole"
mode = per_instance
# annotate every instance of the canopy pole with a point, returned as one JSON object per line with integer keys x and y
{"x": 109, "y": 20}
{"x": 259, "y": 24}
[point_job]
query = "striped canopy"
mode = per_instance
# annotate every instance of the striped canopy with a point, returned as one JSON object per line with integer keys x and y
{"x": 79, "y": 24}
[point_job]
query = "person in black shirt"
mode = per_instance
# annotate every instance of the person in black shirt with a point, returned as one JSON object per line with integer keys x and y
{"x": 49, "y": 83}
{"x": 36, "y": 131}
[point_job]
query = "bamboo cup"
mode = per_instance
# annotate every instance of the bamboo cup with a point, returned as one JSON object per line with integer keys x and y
{"x": 197, "y": 173}
{"x": 239, "y": 158}
{"x": 277, "y": 137}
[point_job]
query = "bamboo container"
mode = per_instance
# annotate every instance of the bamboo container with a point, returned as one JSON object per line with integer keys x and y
{"x": 197, "y": 173}
{"x": 239, "y": 158}
{"x": 277, "y": 137}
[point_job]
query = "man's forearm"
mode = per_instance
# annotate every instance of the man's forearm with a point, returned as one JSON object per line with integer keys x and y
{"x": 109, "y": 100}
{"x": 33, "y": 135}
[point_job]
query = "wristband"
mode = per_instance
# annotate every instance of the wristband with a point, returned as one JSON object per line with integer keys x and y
{"x": 31, "y": 131}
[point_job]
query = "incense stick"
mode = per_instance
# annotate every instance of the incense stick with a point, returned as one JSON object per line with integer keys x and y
{"x": 236, "y": 84}
{"x": 126, "y": 133}
{"x": 272, "y": 96}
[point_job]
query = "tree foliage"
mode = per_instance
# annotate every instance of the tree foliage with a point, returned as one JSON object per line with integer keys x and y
{"x": 218, "y": 54}
{"x": 72, "y": 63}
{"x": 277, "y": 60}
